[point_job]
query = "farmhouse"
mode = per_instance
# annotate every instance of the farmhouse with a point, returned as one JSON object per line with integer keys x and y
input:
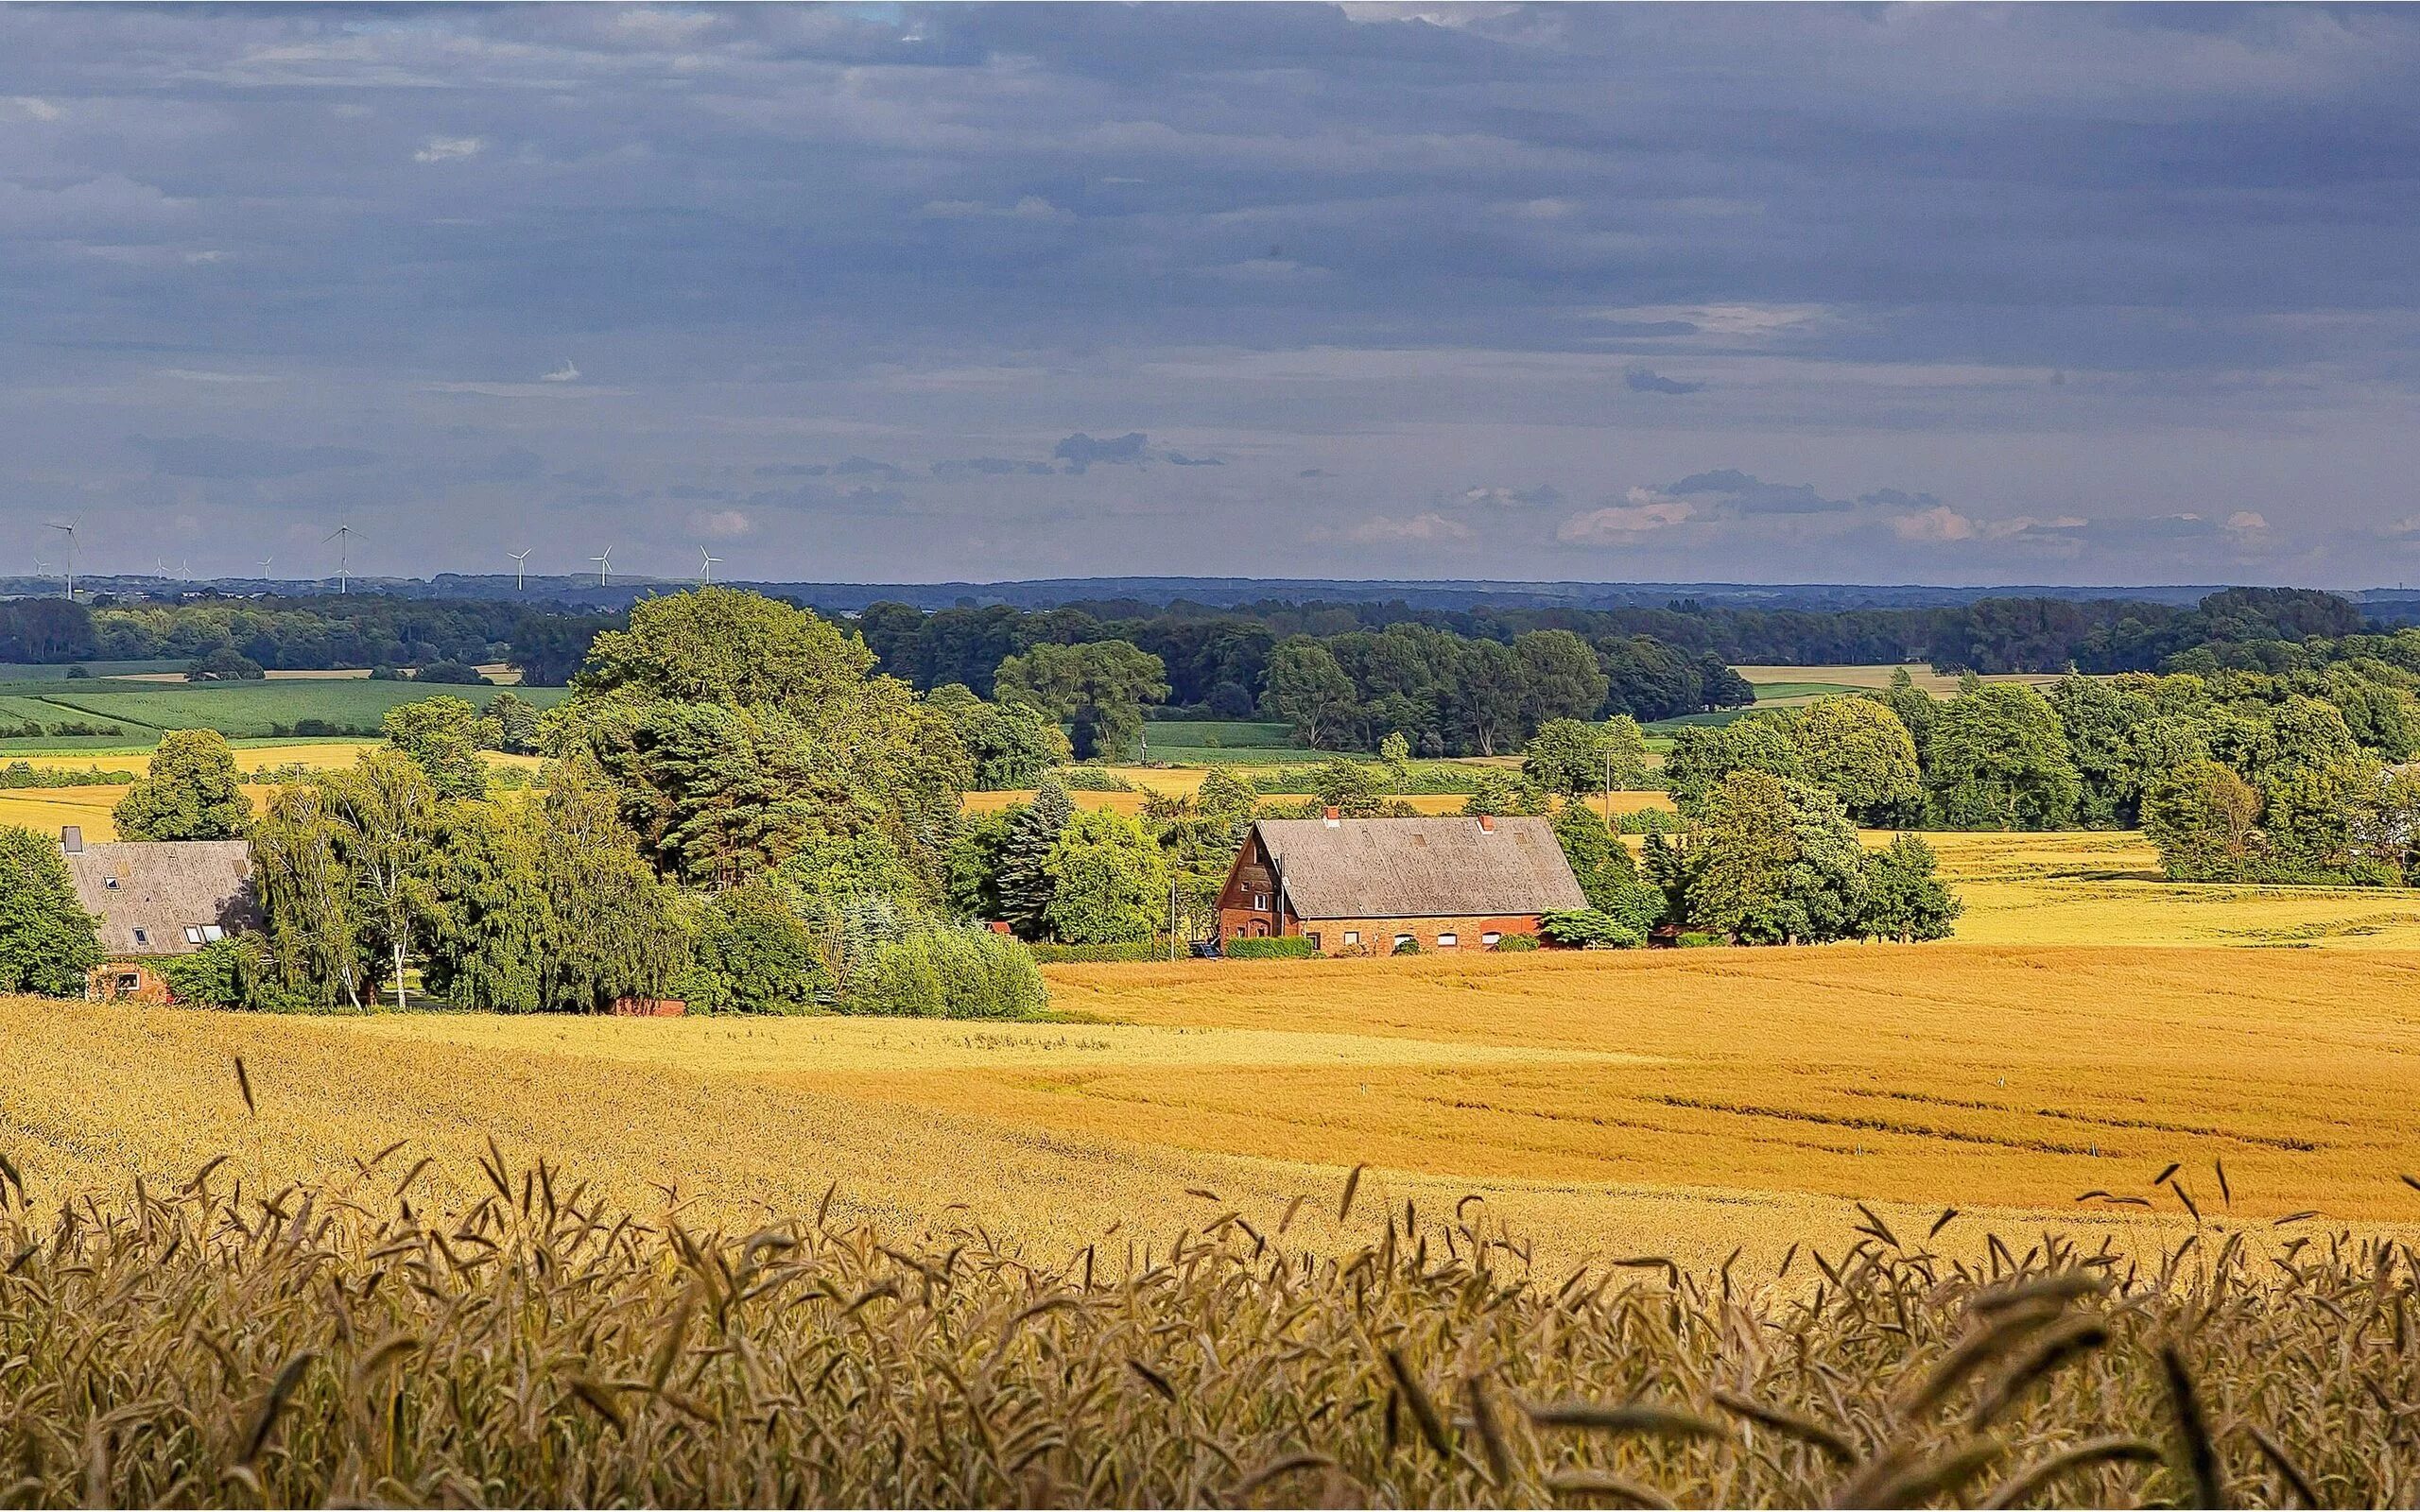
{"x": 158, "y": 898}
{"x": 1365, "y": 886}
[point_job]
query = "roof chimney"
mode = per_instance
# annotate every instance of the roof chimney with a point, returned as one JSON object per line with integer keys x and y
{"x": 1487, "y": 823}
{"x": 1333, "y": 817}
{"x": 71, "y": 838}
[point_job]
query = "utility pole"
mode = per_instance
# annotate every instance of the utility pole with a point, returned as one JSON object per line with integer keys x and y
{"x": 1609, "y": 788}
{"x": 1171, "y": 918}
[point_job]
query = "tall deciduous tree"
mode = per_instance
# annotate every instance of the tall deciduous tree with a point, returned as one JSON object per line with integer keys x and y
{"x": 47, "y": 942}
{"x": 1098, "y": 688}
{"x": 189, "y": 792}
{"x": 1998, "y": 761}
{"x": 307, "y": 894}
{"x": 1109, "y": 880}
{"x": 1309, "y": 691}
{"x": 443, "y": 736}
{"x": 1858, "y": 750}
{"x": 388, "y": 813}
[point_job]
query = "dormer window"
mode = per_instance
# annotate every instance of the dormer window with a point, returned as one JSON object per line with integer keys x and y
{"x": 110, "y": 883}
{"x": 141, "y": 937}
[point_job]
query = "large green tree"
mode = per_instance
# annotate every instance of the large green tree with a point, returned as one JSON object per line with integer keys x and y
{"x": 47, "y": 942}
{"x": 1777, "y": 863}
{"x": 1703, "y": 756}
{"x": 1023, "y": 883}
{"x": 1998, "y": 761}
{"x": 1570, "y": 757}
{"x": 1098, "y": 689}
{"x": 1309, "y": 691}
{"x": 1109, "y": 880}
{"x": 190, "y": 792}
{"x": 1858, "y": 750}
{"x": 1905, "y": 898}
{"x": 444, "y": 735}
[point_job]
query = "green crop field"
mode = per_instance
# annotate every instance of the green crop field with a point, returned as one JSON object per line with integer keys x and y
{"x": 253, "y": 710}
{"x": 1221, "y": 741}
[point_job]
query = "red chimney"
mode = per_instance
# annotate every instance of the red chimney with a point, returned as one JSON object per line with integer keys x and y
{"x": 1333, "y": 816}
{"x": 1487, "y": 823}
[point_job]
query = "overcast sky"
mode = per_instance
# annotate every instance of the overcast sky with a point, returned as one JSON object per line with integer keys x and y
{"x": 1946, "y": 295}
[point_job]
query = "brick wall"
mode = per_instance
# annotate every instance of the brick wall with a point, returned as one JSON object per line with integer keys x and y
{"x": 1377, "y": 935}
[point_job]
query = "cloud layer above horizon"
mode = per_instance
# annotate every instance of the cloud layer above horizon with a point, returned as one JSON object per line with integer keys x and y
{"x": 1944, "y": 294}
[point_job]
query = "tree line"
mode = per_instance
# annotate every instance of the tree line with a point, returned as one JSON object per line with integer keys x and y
{"x": 2235, "y": 776}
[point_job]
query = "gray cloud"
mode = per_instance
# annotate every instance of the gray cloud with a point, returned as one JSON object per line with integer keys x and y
{"x": 1648, "y": 381}
{"x": 1081, "y": 451}
{"x": 993, "y": 467}
{"x": 2110, "y": 263}
{"x": 1180, "y": 459}
{"x": 231, "y": 457}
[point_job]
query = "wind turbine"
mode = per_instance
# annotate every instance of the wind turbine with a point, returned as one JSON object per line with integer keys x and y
{"x": 604, "y": 568}
{"x": 343, "y": 535}
{"x": 520, "y": 561}
{"x": 70, "y": 558}
{"x": 265, "y": 561}
{"x": 710, "y": 560}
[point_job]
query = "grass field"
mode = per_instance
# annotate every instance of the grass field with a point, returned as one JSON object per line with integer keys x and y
{"x": 1942, "y": 684}
{"x": 240, "y": 709}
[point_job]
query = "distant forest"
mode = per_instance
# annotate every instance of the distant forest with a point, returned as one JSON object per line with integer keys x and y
{"x": 1657, "y": 661}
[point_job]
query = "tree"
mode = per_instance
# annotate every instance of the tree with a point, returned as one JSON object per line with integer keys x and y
{"x": 48, "y": 943}
{"x": 490, "y": 936}
{"x": 190, "y": 792}
{"x": 614, "y": 927}
{"x": 1350, "y": 787}
{"x": 1998, "y": 761}
{"x": 1099, "y": 689}
{"x": 458, "y": 674}
{"x": 1500, "y": 794}
{"x": 1777, "y": 863}
{"x": 1309, "y": 691}
{"x": 1010, "y": 744}
{"x": 1025, "y": 882}
{"x": 977, "y": 856}
{"x": 752, "y": 953}
{"x": 386, "y": 814}
{"x": 517, "y": 724}
{"x": 1484, "y": 700}
{"x": 724, "y": 646}
{"x": 1574, "y": 759}
{"x": 1915, "y": 708}
{"x": 1703, "y": 755}
{"x": 1226, "y": 798}
{"x": 1858, "y": 749}
{"x": 1603, "y": 868}
{"x": 2096, "y": 716}
{"x": 1560, "y": 678}
{"x": 306, "y": 890}
{"x": 443, "y": 735}
{"x": 226, "y": 665}
{"x": 1905, "y": 899}
{"x": 1108, "y": 881}
{"x": 2205, "y": 822}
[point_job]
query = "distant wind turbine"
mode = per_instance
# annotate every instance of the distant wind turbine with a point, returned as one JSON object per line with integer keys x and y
{"x": 343, "y": 535}
{"x": 71, "y": 557}
{"x": 520, "y": 561}
{"x": 265, "y": 561}
{"x": 709, "y": 560}
{"x": 604, "y": 568}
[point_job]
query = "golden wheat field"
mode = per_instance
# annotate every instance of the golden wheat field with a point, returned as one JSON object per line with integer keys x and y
{"x": 1674, "y": 1102}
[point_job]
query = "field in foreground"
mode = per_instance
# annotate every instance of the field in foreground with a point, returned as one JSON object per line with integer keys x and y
{"x": 1676, "y": 1102}
{"x": 354, "y": 1345}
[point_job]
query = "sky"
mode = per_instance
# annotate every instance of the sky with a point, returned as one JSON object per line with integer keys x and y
{"x": 1953, "y": 294}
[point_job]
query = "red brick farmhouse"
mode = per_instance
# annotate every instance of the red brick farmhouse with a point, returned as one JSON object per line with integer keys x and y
{"x": 1363, "y": 886}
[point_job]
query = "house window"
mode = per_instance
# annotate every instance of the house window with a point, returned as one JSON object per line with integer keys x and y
{"x": 1402, "y": 941}
{"x": 141, "y": 937}
{"x": 129, "y": 984}
{"x": 1260, "y": 903}
{"x": 110, "y": 883}
{"x": 1353, "y": 937}
{"x": 212, "y": 933}
{"x": 1314, "y": 938}
{"x": 1446, "y": 942}
{"x": 1490, "y": 938}
{"x": 193, "y": 934}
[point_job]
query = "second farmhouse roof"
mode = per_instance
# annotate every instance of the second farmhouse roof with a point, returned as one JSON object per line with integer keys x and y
{"x": 149, "y": 893}
{"x": 1414, "y": 868}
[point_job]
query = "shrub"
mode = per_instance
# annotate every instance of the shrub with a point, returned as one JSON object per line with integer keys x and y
{"x": 1406, "y": 946}
{"x": 753, "y": 954}
{"x": 945, "y": 971}
{"x": 1276, "y": 947}
{"x": 460, "y": 674}
{"x": 235, "y": 972}
{"x": 1699, "y": 939}
{"x": 1092, "y": 779}
{"x": 1518, "y": 943}
{"x": 1588, "y": 929}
